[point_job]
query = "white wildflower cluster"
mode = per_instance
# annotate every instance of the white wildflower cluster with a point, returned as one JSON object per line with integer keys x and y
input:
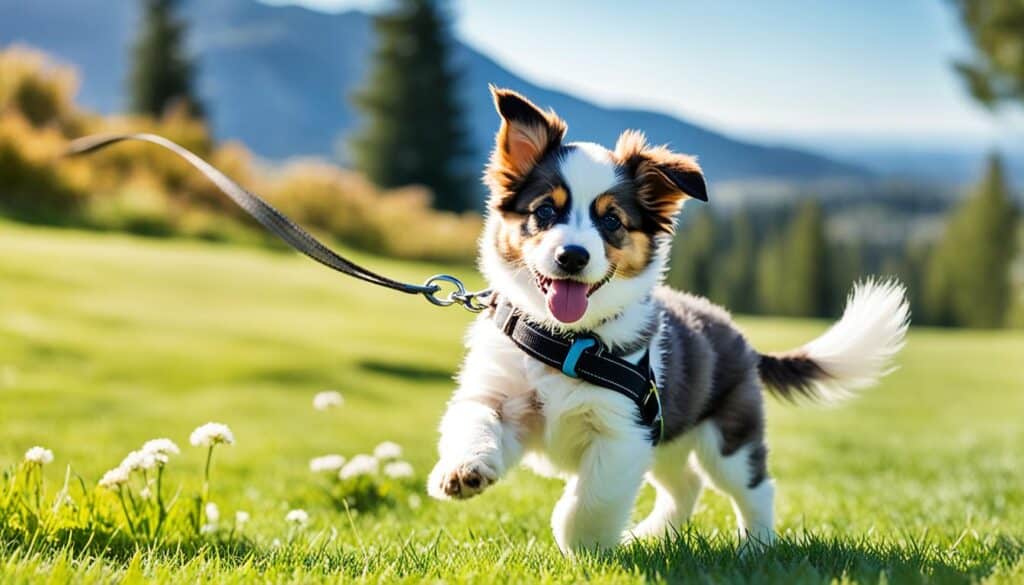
{"x": 39, "y": 455}
{"x": 398, "y": 470}
{"x": 297, "y": 517}
{"x": 212, "y": 513}
{"x": 115, "y": 478}
{"x": 154, "y": 453}
{"x": 387, "y": 450}
{"x": 385, "y": 459}
{"x": 327, "y": 463}
{"x": 328, "y": 400}
{"x": 360, "y": 465}
{"x": 211, "y": 434}
{"x": 164, "y": 446}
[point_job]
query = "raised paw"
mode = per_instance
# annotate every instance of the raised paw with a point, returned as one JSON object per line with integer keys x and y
{"x": 460, "y": 481}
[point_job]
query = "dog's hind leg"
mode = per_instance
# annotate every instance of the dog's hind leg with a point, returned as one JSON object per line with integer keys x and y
{"x": 740, "y": 474}
{"x": 677, "y": 487}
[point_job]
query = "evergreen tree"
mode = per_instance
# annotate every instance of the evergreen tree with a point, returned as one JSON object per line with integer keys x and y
{"x": 413, "y": 132}
{"x": 693, "y": 255}
{"x": 969, "y": 273}
{"x": 162, "y": 72}
{"x": 846, "y": 265}
{"x": 806, "y": 272}
{"x": 736, "y": 286}
{"x": 771, "y": 277}
{"x": 793, "y": 277}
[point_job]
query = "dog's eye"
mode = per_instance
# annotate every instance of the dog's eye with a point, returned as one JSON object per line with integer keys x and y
{"x": 611, "y": 222}
{"x": 545, "y": 212}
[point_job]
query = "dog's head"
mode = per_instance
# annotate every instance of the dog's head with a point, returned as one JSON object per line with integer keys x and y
{"x": 576, "y": 232}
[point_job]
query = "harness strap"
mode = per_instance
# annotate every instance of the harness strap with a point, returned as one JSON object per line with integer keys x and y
{"x": 587, "y": 358}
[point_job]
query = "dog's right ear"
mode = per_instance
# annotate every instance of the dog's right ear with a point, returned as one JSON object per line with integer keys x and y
{"x": 526, "y": 134}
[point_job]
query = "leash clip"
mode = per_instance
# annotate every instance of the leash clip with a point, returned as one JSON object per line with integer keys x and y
{"x": 474, "y": 302}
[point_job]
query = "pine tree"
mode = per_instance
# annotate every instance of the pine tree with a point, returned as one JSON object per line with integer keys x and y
{"x": 162, "y": 72}
{"x": 771, "y": 277}
{"x": 806, "y": 283}
{"x": 969, "y": 273}
{"x": 693, "y": 255}
{"x": 793, "y": 277}
{"x": 736, "y": 286}
{"x": 413, "y": 132}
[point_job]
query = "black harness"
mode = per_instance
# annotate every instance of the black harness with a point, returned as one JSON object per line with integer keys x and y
{"x": 587, "y": 358}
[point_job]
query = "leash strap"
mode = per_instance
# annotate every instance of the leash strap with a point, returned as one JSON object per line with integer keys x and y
{"x": 278, "y": 223}
{"x": 586, "y": 357}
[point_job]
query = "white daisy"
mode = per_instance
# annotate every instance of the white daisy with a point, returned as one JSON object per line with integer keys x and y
{"x": 387, "y": 450}
{"x": 414, "y": 501}
{"x": 139, "y": 460}
{"x": 208, "y": 528}
{"x": 115, "y": 478}
{"x": 331, "y": 463}
{"x": 212, "y": 513}
{"x": 211, "y": 434}
{"x": 241, "y": 518}
{"x": 297, "y": 517}
{"x": 39, "y": 455}
{"x": 327, "y": 400}
{"x": 145, "y": 493}
{"x": 165, "y": 447}
{"x": 398, "y": 470}
{"x": 359, "y": 465}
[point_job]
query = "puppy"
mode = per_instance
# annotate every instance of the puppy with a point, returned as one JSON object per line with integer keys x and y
{"x": 576, "y": 243}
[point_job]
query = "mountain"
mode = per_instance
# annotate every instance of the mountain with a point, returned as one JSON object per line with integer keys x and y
{"x": 278, "y": 79}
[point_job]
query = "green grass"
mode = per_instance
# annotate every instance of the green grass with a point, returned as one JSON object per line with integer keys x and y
{"x": 106, "y": 341}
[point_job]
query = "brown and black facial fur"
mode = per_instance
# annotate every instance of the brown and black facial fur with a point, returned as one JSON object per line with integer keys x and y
{"x": 661, "y": 178}
{"x": 527, "y": 136}
{"x": 525, "y": 172}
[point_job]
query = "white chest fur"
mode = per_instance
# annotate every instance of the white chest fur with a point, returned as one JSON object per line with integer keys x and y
{"x": 575, "y": 414}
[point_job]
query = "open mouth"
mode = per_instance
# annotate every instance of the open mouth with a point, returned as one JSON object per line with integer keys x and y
{"x": 568, "y": 299}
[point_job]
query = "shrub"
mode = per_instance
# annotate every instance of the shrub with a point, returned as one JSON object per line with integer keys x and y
{"x": 144, "y": 189}
{"x": 41, "y": 90}
{"x": 31, "y": 188}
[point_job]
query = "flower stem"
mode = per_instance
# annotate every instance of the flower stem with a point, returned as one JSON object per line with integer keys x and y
{"x": 127, "y": 516}
{"x": 161, "y": 511}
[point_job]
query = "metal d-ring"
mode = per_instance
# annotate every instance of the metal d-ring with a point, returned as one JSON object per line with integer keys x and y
{"x": 471, "y": 301}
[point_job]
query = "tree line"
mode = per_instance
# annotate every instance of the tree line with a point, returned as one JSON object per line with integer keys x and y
{"x": 786, "y": 264}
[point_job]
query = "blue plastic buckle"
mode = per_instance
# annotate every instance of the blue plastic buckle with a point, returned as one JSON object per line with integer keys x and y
{"x": 579, "y": 345}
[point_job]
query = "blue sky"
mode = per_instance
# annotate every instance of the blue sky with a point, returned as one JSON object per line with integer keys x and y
{"x": 869, "y": 72}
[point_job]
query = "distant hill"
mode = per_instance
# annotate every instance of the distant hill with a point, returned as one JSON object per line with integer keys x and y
{"x": 278, "y": 79}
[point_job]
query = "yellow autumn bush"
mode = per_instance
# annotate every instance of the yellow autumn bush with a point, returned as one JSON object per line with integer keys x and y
{"x": 142, "y": 188}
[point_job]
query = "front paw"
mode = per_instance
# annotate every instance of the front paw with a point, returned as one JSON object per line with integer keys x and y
{"x": 461, "y": 480}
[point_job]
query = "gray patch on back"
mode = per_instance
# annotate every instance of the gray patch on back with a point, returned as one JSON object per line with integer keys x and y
{"x": 709, "y": 371}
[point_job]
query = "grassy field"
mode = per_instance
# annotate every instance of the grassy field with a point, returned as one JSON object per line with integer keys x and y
{"x": 106, "y": 341}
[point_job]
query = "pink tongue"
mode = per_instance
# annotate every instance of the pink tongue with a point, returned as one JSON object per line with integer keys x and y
{"x": 567, "y": 300}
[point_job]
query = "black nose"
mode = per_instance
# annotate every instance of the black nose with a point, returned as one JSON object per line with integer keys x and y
{"x": 572, "y": 259}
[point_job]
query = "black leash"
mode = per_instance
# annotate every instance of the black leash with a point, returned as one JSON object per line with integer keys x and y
{"x": 296, "y": 237}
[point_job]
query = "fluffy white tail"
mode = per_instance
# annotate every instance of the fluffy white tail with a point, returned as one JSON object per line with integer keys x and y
{"x": 852, "y": 355}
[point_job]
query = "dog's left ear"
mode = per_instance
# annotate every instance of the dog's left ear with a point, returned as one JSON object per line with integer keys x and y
{"x": 664, "y": 179}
